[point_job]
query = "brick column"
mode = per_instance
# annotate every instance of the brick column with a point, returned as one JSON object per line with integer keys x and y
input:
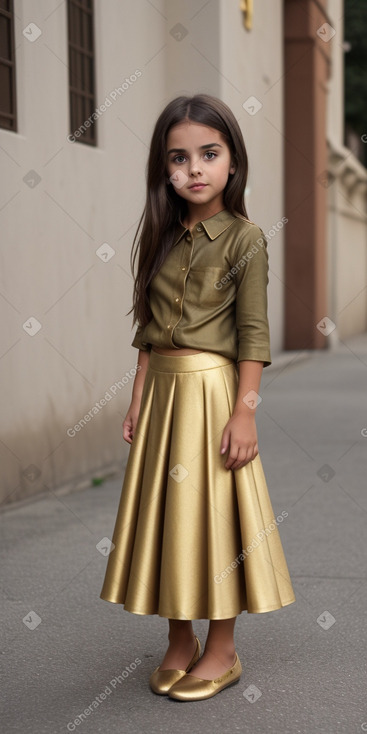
{"x": 307, "y": 68}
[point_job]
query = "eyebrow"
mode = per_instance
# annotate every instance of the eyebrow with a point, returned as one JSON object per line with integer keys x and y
{"x": 202, "y": 147}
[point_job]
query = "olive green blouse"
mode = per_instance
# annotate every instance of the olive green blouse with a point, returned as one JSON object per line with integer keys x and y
{"x": 211, "y": 292}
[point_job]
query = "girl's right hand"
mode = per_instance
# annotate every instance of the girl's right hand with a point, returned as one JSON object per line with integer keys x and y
{"x": 129, "y": 424}
{"x": 131, "y": 419}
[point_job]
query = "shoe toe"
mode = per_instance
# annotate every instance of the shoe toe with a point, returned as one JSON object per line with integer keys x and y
{"x": 191, "y": 688}
{"x": 162, "y": 680}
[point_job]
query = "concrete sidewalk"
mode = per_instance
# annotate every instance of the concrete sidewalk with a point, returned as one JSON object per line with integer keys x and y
{"x": 63, "y": 647}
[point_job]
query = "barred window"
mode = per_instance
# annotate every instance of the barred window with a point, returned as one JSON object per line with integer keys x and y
{"x": 81, "y": 71}
{"x": 8, "y": 107}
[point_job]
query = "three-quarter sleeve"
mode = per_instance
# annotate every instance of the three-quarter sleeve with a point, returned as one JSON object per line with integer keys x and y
{"x": 138, "y": 340}
{"x": 251, "y": 278}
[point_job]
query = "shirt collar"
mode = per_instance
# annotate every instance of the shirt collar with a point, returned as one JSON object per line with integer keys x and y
{"x": 213, "y": 226}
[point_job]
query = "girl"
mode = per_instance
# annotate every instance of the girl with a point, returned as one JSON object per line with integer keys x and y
{"x": 195, "y": 535}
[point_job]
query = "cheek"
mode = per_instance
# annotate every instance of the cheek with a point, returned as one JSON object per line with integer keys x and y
{"x": 172, "y": 166}
{"x": 223, "y": 173}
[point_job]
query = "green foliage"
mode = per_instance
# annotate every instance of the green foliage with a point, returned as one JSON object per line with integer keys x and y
{"x": 355, "y": 65}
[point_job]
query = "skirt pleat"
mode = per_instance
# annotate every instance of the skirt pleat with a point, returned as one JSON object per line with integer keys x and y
{"x": 193, "y": 539}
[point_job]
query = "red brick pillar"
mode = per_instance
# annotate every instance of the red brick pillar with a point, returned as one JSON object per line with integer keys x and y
{"x": 306, "y": 71}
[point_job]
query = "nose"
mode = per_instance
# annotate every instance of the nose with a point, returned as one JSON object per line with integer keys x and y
{"x": 195, "y": 166}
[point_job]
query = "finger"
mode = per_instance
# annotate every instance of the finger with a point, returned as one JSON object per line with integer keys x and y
{"x": 232, "y": 464}
{"x": 232, "y": 457}
{"x": 127, "y": 432}
{"x": 225, "y": 441}
{"x": 245, "y": 458}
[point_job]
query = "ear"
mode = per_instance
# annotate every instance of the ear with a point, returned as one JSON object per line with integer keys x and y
{"x": 232, "y": 168}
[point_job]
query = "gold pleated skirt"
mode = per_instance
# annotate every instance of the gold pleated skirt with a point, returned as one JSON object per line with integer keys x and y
{"x": 192, "y": 539}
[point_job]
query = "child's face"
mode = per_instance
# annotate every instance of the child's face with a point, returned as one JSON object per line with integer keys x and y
{"x": 188, "y": 161}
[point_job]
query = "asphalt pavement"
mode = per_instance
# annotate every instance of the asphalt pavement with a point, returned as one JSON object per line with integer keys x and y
{"x": 74, "y": 662}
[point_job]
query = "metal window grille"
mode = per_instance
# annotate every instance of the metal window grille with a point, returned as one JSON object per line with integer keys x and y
{"x": 81, "y": 71}
{"x": 8, "y": 101}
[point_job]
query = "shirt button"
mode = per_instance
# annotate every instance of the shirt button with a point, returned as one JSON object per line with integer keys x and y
{"x": 198, "y": 228}
{"x": 169, "y": 326}
{"x": 183, "y": 268}
{"x": 177, "y": 299}
{"x": 188, "y": 238}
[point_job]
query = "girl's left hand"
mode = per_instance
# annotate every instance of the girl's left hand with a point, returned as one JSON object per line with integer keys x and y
{"x": 240, "y": 437}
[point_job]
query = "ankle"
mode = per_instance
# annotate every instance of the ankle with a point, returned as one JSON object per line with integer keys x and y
{"x": 183, "y": 636}
{"x": 225, "y": 652}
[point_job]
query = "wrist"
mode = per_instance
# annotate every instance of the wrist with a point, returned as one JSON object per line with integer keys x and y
{"x": 136, "y": 397}
{"x": 244, "y": 411}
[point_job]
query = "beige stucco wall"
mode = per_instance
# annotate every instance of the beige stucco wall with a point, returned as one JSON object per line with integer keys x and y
{"x": 88, "y": 196}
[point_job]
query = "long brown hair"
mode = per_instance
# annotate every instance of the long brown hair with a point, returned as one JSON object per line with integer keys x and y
{"x": 163, "y": 205}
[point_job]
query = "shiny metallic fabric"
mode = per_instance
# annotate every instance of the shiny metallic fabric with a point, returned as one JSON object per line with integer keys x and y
{"x": 193, "y": 539}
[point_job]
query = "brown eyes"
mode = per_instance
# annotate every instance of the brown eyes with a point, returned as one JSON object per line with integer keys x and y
{"x": 208, "y": 152}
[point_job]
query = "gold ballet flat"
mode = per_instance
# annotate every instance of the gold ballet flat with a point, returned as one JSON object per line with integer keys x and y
{"x": 162, "y": 680}
{"x": 191, "y": 688}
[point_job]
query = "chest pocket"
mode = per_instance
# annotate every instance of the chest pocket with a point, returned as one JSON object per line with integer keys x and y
{"x": 204, "y": 289}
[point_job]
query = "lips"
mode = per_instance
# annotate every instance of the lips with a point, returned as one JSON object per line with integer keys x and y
{"x": 198, "y": 186}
